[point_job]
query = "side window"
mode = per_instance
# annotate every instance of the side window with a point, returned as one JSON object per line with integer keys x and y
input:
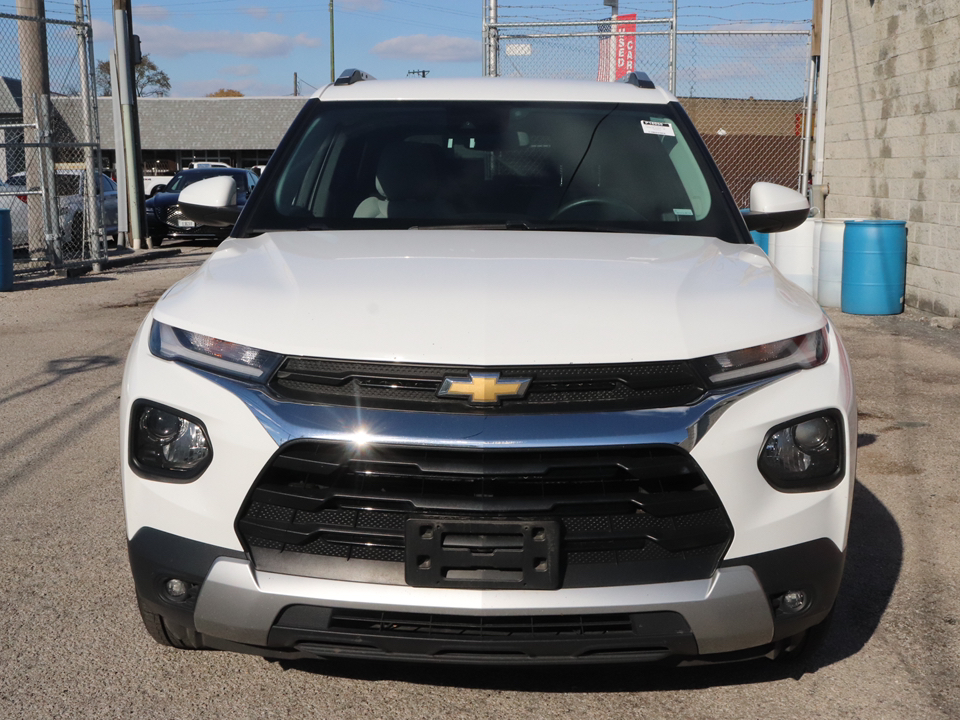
{"x": 241, "y": 182}
{"x": 251, "y": 180}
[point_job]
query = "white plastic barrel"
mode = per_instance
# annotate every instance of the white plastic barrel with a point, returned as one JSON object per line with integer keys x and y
{"x": 793, "y": 255}
{"x": 831, "y": 261}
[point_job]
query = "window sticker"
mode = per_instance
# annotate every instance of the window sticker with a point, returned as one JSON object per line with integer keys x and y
{"x": 657, "y": 128}
{"x": 682, "y": 211}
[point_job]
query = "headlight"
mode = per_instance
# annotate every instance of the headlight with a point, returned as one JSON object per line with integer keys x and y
{"x": 802, "y": 351}
{"x": 163, "y": 442}
{"x": 805, "y": 454}
{"x": 210, "y": 353}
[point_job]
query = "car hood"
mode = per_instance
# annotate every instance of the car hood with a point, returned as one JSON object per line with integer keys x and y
{"x": 480, "y": 297}
{"x": 162, "y": 199}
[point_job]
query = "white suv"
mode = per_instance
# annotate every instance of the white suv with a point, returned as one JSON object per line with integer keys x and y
{"x": 488, "y": 371}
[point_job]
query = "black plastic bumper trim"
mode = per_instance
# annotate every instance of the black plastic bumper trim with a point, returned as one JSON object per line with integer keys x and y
{"x": 815, "y": 567}
{"x": 157, "y": 556}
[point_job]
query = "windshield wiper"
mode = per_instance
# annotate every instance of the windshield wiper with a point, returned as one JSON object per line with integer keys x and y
{"x": 528, "y": 225}
{"x": 577, "y": 227}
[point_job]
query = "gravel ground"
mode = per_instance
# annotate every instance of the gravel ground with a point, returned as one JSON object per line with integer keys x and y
{"x": 72, "y": 645}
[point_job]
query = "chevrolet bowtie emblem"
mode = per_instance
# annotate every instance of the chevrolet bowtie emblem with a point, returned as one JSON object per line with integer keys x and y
{"x": 486, "y": 388}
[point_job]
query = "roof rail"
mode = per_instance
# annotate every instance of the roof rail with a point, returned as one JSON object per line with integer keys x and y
{"x": 640, "y": 79}
{"x": 351, "y": 76}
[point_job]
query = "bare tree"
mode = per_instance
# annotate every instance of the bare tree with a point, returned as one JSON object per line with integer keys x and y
{"x": 150, "y": 80}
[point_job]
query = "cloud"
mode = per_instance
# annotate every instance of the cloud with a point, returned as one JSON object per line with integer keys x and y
{"x": 168, "y": 41}
{"x": 258, "y": 13}
{"x": 245, "y": 70}
{"x": 151, "y": 13}
{"x": 429, "y": 48}
{"x": 102, "y": 30}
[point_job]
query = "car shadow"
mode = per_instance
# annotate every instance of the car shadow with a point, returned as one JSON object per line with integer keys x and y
{"x": 57, "y": 371}
{"x": 874, "y": 559}
{"x": 51, "y": 282}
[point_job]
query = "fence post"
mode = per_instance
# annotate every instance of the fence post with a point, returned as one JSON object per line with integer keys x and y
{"x": 673, "y": 51}
{"x": 48, "y": 182}
{"x": 6, "y": 251}
{"x": 494, "y": 60}
{"x": 93, "y": 194}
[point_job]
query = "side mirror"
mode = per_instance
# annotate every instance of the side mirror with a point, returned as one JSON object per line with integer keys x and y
{"x": 774, "y": 208}
{"x": 211, "y": 202}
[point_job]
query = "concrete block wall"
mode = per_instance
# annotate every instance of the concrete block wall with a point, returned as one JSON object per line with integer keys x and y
{"x": 893, "y": 132}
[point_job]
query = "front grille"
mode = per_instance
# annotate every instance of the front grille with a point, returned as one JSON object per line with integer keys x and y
{"x": 561, "y": 388}
{"x": 174, "y": 214}
{"x": 626, "y": 515}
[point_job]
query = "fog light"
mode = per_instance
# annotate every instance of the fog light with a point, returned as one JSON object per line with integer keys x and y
{"x": 176, "y": 589}
{"x": 793, "y": 602}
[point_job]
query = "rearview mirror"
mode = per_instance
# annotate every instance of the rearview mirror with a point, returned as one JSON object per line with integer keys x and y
{"x": 211, "y": 202}
{"x": 774, "y": 208}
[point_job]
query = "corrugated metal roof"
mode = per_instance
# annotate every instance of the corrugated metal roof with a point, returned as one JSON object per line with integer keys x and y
{"x": 207, "y": 123}
{"x": 10, "y": 94}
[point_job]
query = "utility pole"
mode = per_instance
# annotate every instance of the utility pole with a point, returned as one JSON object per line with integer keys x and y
{"x": 421, "y": 73}
{"x": 333, "y": 64}
{"x": 35, "y": 89}
{"x": 124, "y": 38}
{"x": 296, "y": 86}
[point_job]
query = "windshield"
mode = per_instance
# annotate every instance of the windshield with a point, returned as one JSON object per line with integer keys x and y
{"x": 616, "y": 167}
{"x": 183, "y": 179}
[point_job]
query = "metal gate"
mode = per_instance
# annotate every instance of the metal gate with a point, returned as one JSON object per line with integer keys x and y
{"x": 746, "y": 91}
{"x": 50, "y": 175}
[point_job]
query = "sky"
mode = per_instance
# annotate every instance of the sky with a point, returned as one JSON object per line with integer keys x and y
{"x": 256, "y": 46}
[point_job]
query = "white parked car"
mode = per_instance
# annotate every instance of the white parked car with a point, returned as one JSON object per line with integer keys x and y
{"x": 488, "y": 371}
{"x": 71, "y": 189}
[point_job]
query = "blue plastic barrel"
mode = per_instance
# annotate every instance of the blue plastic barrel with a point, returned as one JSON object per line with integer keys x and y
{"x": 6, "y": 252}
{"x": 874, "y": 267}
{"x": 761, "y": 239}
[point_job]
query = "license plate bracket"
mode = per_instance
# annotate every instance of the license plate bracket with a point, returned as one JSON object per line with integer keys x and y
{"x": 487, "y": 554}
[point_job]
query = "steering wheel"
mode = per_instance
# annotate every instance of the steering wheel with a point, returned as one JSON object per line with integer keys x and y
{"x": 598, "y": 201}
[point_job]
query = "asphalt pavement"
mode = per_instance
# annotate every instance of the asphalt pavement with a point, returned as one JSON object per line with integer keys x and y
{"x": 72, "y": 644}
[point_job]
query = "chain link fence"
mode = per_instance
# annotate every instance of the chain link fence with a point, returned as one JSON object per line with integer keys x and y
{"x": 745, "y": 90}
{"x": 50, "y": 177}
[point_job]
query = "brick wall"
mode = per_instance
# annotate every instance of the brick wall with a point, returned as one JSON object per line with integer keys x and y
{"x": 893, "y": 132}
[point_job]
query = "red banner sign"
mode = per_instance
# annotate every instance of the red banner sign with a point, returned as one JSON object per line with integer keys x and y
{"x": 626, "y": 45}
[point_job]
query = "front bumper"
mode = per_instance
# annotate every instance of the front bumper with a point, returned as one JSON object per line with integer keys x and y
{"x": 289, "y": 616}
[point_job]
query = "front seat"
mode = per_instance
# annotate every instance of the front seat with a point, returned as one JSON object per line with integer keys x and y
{"x": 407, "y": 184}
